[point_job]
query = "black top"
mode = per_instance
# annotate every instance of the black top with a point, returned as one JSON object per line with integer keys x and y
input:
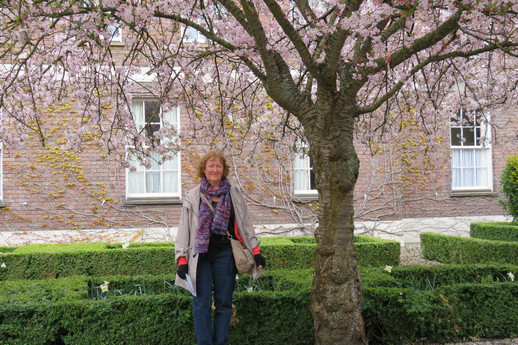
{"x": 219, "y": 242}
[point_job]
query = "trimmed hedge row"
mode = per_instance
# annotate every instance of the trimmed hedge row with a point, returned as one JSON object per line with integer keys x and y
{"x": 465, "y": 250}
{"x": 498, "y": 231}
{"x": 299, "y": 252}
{"x": 463, "y": 302}
{"x": 40, "y": 263}
{"x": 43, "y": 261}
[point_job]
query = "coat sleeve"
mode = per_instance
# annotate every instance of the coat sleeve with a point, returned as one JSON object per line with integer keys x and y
{"x": 246, "y": 228}
{"x": 182, "y": 241}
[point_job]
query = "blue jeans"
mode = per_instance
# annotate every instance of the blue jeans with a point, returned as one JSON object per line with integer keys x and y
{"x": 218, "y": 273}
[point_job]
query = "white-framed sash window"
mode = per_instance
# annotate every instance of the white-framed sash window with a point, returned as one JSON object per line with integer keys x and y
{"x": 158, "y": 179}
{"x": 304, "y": 178}
{"x": 471, "y": 167}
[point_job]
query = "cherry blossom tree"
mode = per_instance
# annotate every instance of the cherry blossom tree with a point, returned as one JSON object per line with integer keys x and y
{"x": 321, "y": 68}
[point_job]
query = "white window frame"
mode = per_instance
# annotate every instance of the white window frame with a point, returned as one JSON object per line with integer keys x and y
{"x": 140, "y": 174}
{"x": 303, "y": 169}
{"x": 471, "y": 154}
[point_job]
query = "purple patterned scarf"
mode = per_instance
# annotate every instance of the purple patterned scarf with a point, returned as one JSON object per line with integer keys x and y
{"x": 207, "y": 223}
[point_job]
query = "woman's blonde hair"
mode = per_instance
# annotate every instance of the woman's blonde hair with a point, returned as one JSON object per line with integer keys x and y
{"x": 209, "y": 155}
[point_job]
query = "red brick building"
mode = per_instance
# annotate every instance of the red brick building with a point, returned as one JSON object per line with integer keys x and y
{"x": 409, "y": 181}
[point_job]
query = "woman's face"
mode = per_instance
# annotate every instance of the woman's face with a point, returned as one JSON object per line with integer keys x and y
{"x": 214, "y": 171}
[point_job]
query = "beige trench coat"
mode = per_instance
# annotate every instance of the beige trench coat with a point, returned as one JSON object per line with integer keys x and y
{"x": 184, "y": 243}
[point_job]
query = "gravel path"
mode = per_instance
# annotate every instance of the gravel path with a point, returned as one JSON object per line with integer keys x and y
{"x": 412, "y": 256}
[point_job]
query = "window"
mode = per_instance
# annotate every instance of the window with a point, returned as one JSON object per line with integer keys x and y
{"x": 115, "y": 33}
{"x": 158, "y": 179}
{"x": 116, "y": 30}
{"x": 470, "y": 151}
{"x": 191, "y": 35}
{"x": 304, "y": 178}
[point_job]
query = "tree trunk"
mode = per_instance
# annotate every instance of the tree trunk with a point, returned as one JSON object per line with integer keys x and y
{"x": 336, "y": 296}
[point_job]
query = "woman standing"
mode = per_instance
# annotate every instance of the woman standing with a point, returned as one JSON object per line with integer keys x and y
{"x": 203, "y": 251}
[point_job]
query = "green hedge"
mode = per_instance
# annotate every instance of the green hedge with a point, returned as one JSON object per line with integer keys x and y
{"x": 299, "y": 252}
{"x": 448, "y": 314}
{"x": 372, "y": 251}
{"x": 5, "y": 249}
{"x": 498, "y": 231}
{"x": 264, "y": 316}
{"x": 464, "y": 302}
{"x": 58, "y": 260}
{"x": 155, "y": 319}
{"x": 43, "y": 261}
{"x": 465, "y": 250}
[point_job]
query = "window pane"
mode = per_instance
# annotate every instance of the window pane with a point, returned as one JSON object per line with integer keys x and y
{"x": 153, "y": 182}
{"x": 482, "y": 177}
{"x": 134, "y": 162}
{"x": 150, "y": 129}
{"x": 300, "y": 162}
{"x": 152, "y": 115}
{"x": 456, "y": 177}
{"x": 154, "y": 161}
{"x": 193, "y": 34}
{"x": 456, "y": 135}
{"x": 116, "y": 31}
{"x": 468, "y": 177}
{"x": 170, "y": 182}
{"x": 171, "y": 117}
{"x": 137, "y": 111}
{"x": 311, "y": 176}
{"x": 456, "y": 158}
{"x": 477, "y": 137}
{"x": 300, "y": 180}
{"x": 467, "y": 158}
{"x": 481, "y": 158}
{"x": 171, "y": 164}
{"x": 469, "y": 136}
{"x": 135, "y": 184}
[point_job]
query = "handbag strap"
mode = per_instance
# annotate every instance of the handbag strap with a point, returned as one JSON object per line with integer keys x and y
{"x": 212, "y": 210}
{"x": 208, "y": 203}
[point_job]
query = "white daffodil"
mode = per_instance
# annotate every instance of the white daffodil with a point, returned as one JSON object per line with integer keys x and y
{"x": 104, "y": 287}
{"x": 3, "y": 265}
{"x": 388, "y": 268}
{"x": 125, "y": 245}
{"x": 511, "y": 276}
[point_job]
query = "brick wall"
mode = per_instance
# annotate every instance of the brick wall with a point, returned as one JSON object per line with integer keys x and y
{"x": 41, "y": 194}
{"x": 44, "y": 191}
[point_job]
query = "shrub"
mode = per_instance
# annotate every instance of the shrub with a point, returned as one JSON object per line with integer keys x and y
{"x": 45, "y": 261}
{"x": 509, "y": 181}
{"x": 299, "y": 252}
{"x": 465, "y": 250}
{"x": 498, "y": 231}
{"x": 465, "y": 301}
